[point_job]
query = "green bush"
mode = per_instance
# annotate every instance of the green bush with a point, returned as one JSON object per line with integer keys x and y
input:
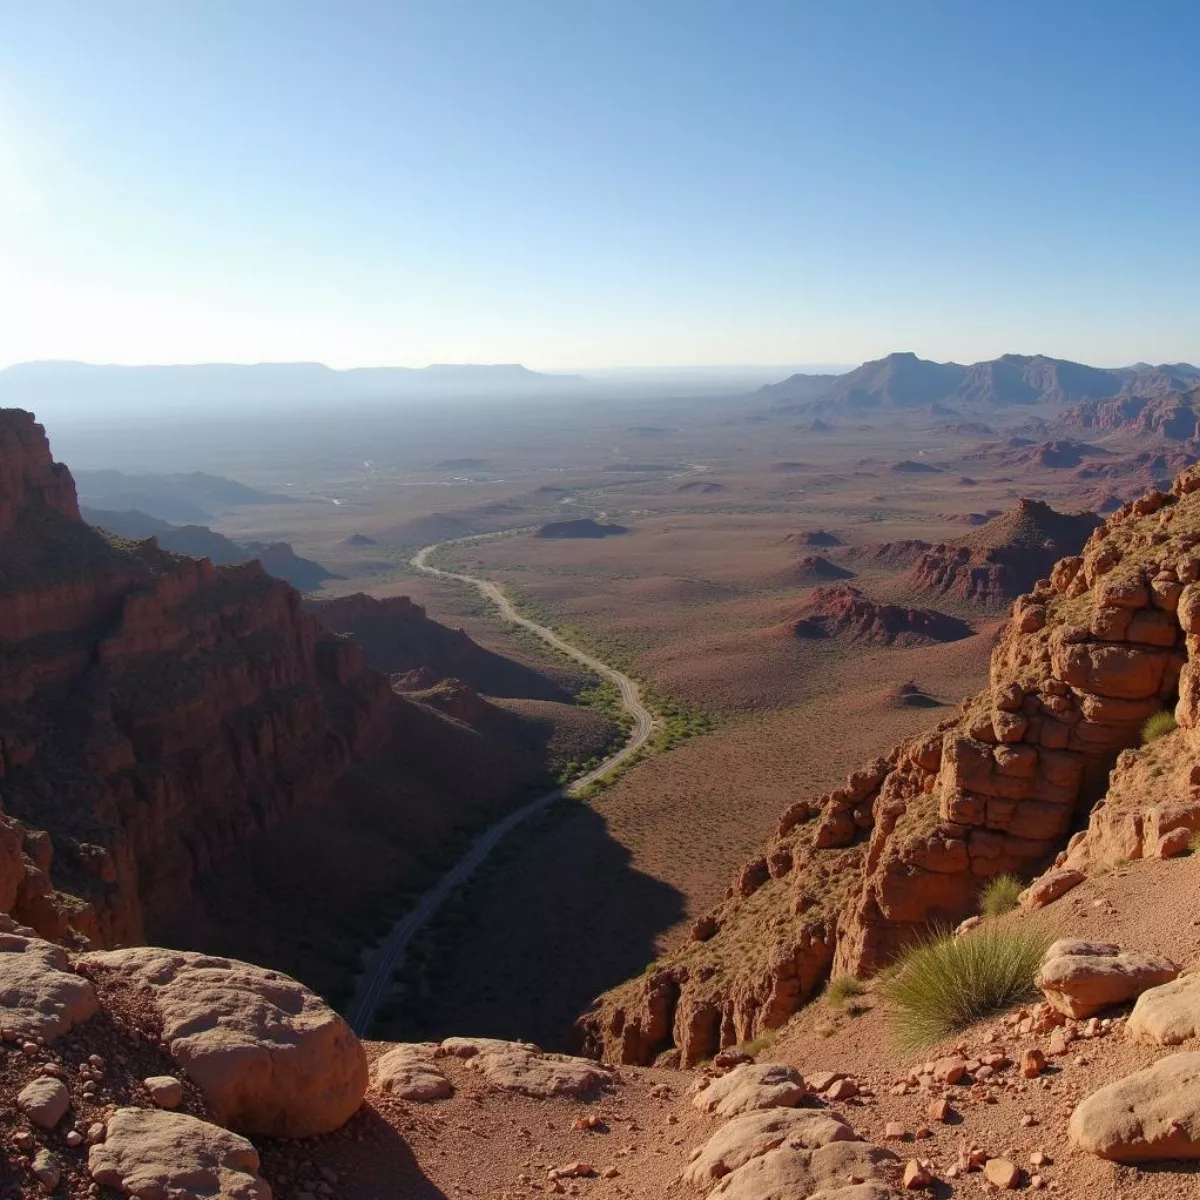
{"x": 1000, "y": 895}
{"x": 1158, "y": 726}
{"x": 842, "y": 988}
{"x": 946, "y": 983}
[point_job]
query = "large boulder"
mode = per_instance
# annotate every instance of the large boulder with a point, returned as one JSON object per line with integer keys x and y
{"x": 408, "y": 1072}
{"x": 1168, "y": 1014}
{"x": 755, "y": 1133}
{"x": 1080, "y": 978}
{"x": 153, "y": 1154}
{"x": 789, "y": 1173}
{"x": 1050, "y": 887}
{"x": 1151, "y": 1114}
{"x": 523, "y": 1067}
{"x": 752, "y": 1086}
{"x": 40, "y": 996}
{"x": 270, "y": 1056}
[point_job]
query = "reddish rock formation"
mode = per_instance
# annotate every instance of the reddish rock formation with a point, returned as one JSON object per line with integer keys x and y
{"x": 812, "y": 568}
{"x": 814, "y": 537}
{"x": 400, "y": 640}
{"x": 159, "y": 716}
{"x": 1163, "y": 412}
{"x": 1085, "y": 659}
{"x": 843, "y": 612}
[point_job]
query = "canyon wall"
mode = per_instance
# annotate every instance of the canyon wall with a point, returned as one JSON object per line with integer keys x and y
{"x": 909, "y": 840}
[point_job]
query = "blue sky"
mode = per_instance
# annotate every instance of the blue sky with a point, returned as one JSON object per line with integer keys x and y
{"x": 573, "y": 183}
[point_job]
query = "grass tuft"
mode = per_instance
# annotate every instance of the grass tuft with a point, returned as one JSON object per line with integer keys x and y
{"x": 1158, "y": 726}
{"x": 1000, "y": 895}
{"x": 842, "y": 988}
{"x": 1194, "y": 843}
{"x": 945, "y": 984}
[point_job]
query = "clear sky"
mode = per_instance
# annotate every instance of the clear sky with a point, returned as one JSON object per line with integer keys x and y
{"x": 572, "y": 183}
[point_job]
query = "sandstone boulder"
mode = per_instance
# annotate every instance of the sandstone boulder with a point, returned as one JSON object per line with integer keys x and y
{"x": 752, "y": 1086}
{"x": 1050, "y": 887}
{"x": 522, "y": 1067}
{"x": 44, "y": 1100}
{"x": 1081, "y": 978}
{"x": 153, "y": 1154}
{"x": 1168, "y": 1014}
{"x": 270, "y": 1056}
{"x": 755, "y": 1133}
{"x": 1151, "y": 1114}
{"x": 39, "y": 994}
{"x": 799, "y": 1174}
{"x": 408, "y": 1072}
{"x": 165, "y": 1090}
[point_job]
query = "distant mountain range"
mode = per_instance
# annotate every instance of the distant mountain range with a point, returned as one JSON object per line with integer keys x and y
{"x": 83, "y": 385}
{"x": 904, "y": 381}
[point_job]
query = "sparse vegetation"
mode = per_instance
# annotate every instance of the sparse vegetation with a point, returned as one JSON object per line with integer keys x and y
{"x": 1194, "y": 843}
{"x": 1158, "y": 726}
{"x": 842, "y": 989}
{"x": 757, "y": 1045}
{"x": 1000, "y": 895}
{"x": 945, "y": 983}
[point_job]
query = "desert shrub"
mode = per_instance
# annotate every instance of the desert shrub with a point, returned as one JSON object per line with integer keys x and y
{"x": 1158, "y": 726}
{"x": 1194, "y": 843}
{"x": 757, "y": 1045}
{"x": 1000, "y": 895}
{"x": 946, "y": 983}
{"x": 842, "y": 988}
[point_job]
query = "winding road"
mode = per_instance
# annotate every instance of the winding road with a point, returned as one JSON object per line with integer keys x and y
{"x": 376, "y": 980}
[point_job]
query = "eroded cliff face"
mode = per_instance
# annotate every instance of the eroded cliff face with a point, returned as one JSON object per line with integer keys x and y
{"x": 156, "y": 713}
{"x": 1110, "y": 639}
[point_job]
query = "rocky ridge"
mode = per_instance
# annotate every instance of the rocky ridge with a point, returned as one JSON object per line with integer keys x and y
{"x": 1084, "y": 660}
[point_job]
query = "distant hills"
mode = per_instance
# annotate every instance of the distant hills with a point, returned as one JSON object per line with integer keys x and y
{"x": 82, "y": 385}
{"x": 904, "y": 381}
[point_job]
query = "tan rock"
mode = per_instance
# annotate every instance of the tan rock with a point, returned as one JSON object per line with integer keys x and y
{"x": 1151, "y": 1114}
{"x": 1168, "y": 1014}
{"x": 152, "y": 1154}
{"x": 755, "y": 1133}
{"x": 44, "y": 1100}
{"x": 1050, "y": 887}
{"x": 40, "y": 996}
{"x": 270, "y": 1056}
{"x": 752, "y": 1086}
{"x": 916, "y": 1176}
{"x": 1033, "y": 1062}
{"x": 1001, "y": 1173}
{"x": 797, "y": 1174}
{"x": 1082, "y": 978}
{"x": 523, "y": 1067}
{"x": 409, "y": 1073}
{"x": 165, "y": 1090}
{"x": 46, "y": 1169}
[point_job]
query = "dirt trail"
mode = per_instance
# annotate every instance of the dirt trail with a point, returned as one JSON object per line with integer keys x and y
{"x": 374, "y": 984}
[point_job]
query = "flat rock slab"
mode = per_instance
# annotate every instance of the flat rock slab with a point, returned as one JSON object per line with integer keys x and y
{"x": 796, "y": 1174}
{"x": 756, "y": 1133}
{"x": 1149, "y": 1115}
{"x": 1168, "y": 1014}
{"x": 153, "y": 1154}
{"x": 1081, "y": 978}
{"x": 40, "y": 996}
{"x": 523, "y": 1067}
{"x": 409, "y": 1072}
{"x": 752, "y": 1086}
{"x": 270, "y": 1056}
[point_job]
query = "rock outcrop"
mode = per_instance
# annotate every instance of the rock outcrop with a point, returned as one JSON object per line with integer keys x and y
{"x": 1080, "y": 979}
{"x": 1149, "y": 1115}
{"x": 1108, "y": 640}
{"x": 409, "y": 1072}
{"x": 844, "y": 613}
{"x": 523, "y": 1067}
{"x": 270, "y": 1056}
{"x": 1168, "y": 1014}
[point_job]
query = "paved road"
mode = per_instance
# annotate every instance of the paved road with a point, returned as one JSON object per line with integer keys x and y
{"x": 376, "y": 982}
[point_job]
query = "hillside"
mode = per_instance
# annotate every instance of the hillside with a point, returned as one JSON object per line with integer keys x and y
{"x": 278, "y": 559}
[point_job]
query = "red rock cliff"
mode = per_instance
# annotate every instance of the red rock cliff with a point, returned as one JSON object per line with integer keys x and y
{"x": 155, "y": 711}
